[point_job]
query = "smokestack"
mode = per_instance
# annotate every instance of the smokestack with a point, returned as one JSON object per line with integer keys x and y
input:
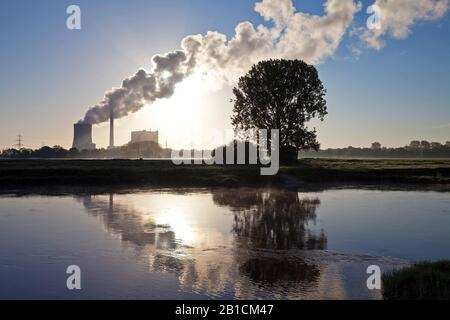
{"x": 82, "y": 137}
{"x": 111, "y": 129}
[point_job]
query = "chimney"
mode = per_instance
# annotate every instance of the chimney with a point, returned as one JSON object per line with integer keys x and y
{"x": 111, "y": 129}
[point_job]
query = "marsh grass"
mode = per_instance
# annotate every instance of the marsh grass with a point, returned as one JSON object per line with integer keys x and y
{"x": 422, "y": 281}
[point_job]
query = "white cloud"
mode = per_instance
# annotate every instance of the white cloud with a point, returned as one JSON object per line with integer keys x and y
{"x": 296, "y": 35}
{"x": 397, "y": 17}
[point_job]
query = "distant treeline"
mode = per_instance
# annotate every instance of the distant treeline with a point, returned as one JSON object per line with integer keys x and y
{"x": 134, "y": 150}
{"x": 416, "y": 149}
{"x": 130, "y": 151}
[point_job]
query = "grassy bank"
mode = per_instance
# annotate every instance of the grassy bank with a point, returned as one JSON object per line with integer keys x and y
{"x": 423, "y": 281}
{"x": 408, "y": 171}
{"x": 17, "y": 173}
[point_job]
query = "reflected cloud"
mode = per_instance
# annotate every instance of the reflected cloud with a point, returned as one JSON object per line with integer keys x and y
{"x": 129, "y": 223}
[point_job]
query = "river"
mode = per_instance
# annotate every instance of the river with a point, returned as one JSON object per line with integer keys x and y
{"x": 215, "y": 244}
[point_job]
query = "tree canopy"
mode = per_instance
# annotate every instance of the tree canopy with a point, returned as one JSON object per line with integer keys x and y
{"x": 284, "y": 95}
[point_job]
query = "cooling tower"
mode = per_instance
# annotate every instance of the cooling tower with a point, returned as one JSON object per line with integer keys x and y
{"x": 82, "y": 138}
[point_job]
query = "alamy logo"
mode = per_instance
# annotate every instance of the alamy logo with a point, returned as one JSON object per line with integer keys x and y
{"x": 238, "y": 154}
{"x": 374, "y": 281}
{"x": 74, "y": 280}
{"x": 74, "y": 20}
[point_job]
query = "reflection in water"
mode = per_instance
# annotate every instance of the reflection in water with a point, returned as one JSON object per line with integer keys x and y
{"x": 273, "y": 219}
{"x": 266, "y": 256}
{"x": 129, "y": 223}
{"x": 272, "y": 271}
{"x": 276, "y": 220}
{"x": 235, "y": 243}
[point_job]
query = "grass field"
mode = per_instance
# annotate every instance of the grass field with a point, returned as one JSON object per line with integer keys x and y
{"x": 376, "y": 170}
{"x": 163, "y": 173}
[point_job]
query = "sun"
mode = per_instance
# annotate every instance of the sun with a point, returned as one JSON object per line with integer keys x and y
{"x": 180, "y": 117}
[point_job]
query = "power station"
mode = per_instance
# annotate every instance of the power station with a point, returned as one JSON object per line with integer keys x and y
{"x": 82, "y": 137}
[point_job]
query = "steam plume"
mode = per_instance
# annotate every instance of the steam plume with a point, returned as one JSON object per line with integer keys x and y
{"x": 294, "y": 35}
{"x": 142, "y": 88}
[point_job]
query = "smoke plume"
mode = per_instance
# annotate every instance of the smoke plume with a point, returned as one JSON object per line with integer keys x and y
{"x": 292, "y": 35}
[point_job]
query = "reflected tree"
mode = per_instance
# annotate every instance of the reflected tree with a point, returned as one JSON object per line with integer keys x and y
{"x": 276, "y": 271}
{"x": 273, "y": 219}
{"x": 266, "y": 219}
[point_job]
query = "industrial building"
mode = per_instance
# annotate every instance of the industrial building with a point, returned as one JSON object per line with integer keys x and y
{"x": 144, "y": 136}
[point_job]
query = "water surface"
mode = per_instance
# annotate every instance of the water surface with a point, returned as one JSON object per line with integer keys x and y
{"x": 224, "y": 243}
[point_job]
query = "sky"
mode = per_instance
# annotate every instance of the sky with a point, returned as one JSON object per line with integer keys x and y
{"x": 391, "y": 85}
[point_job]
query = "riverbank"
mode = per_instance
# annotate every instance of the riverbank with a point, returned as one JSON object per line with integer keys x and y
{"x": 28, "y": 173}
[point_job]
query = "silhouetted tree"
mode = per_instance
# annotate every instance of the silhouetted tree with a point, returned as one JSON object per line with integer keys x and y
{"x": 425, "y": 145}
{"x": 11, "y": 153}
{"x": 376, "y": 146}
{"x": 247, "y": 148}
{"x": 436, "y": 145}
{"x": 74, "y": 152}
{"x": 44, "y": 152}
{"x": 284, "y": 95}
{"x": 415, "y": 144}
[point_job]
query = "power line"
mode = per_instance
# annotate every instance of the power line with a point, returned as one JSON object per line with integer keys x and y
{"x": 19, "y": 141}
